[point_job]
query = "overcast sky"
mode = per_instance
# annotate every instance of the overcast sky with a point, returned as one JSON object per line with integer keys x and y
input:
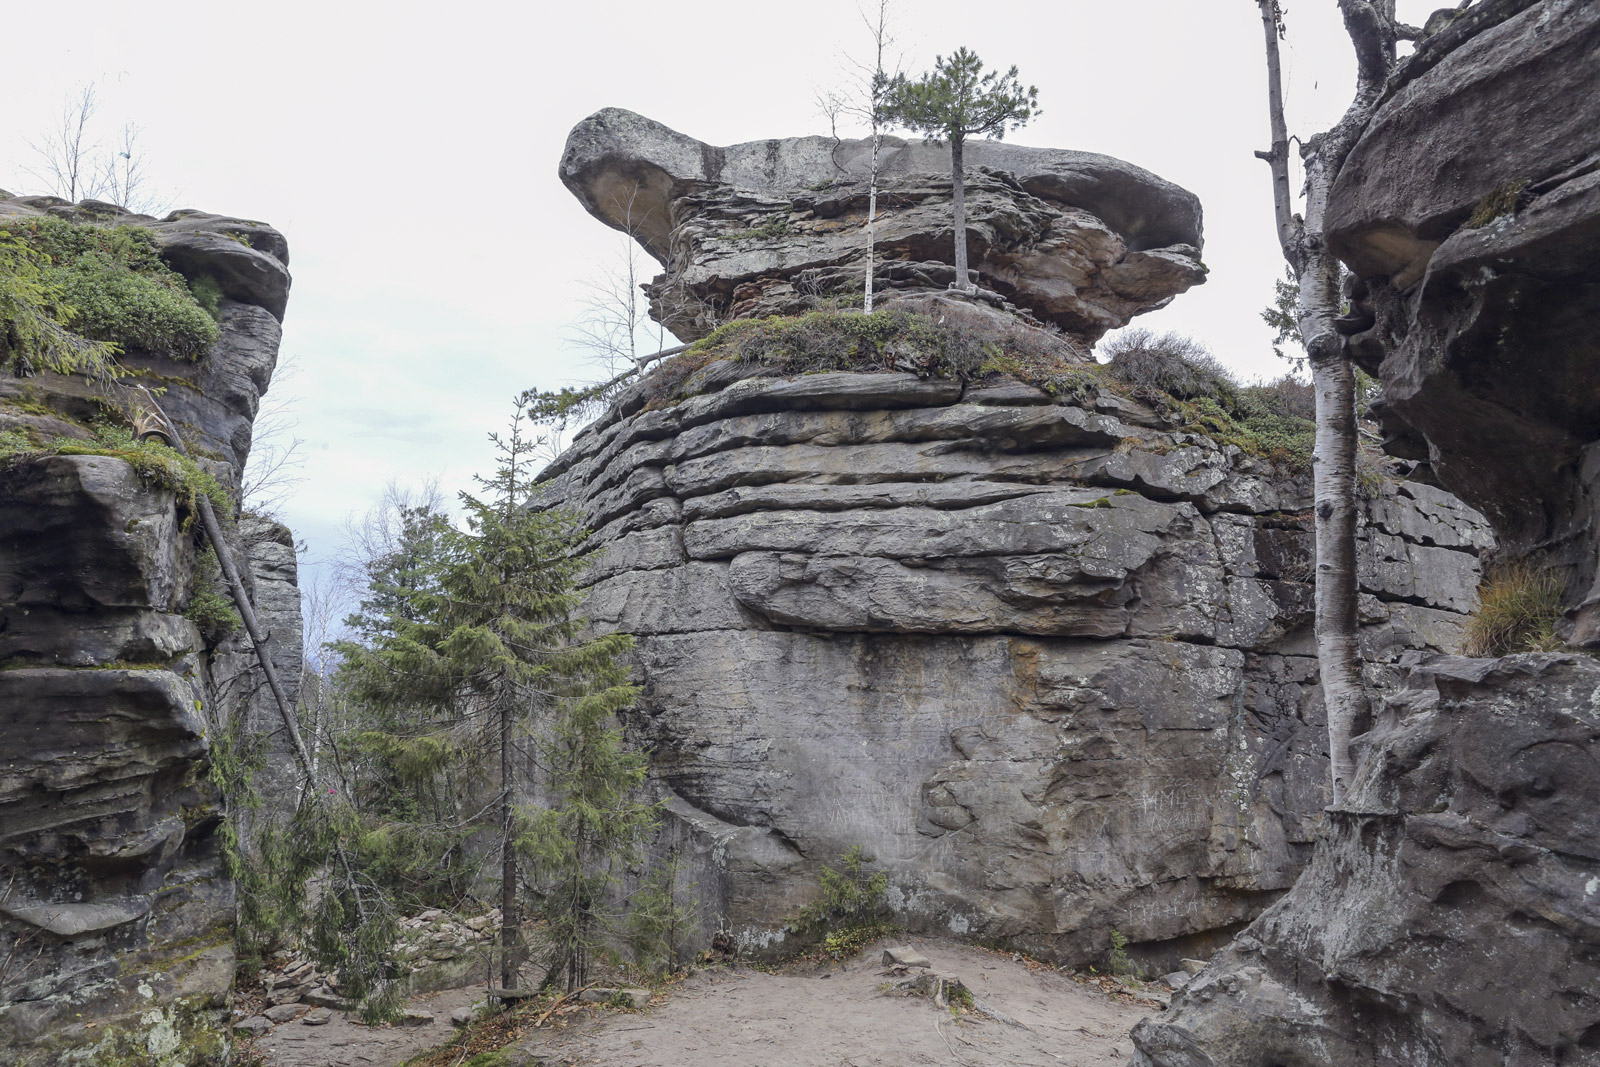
{"x": 408, "y": 151}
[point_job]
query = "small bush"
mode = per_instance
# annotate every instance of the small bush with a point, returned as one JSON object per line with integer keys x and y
{"x": 850, "y": 912}
{"x": 1168, "y": 363}
{"x": 120, "y": 290}
{"x": 210, "y": 607}
{"x": 1519, "y": 605}
{"x": 1117, "y": 961}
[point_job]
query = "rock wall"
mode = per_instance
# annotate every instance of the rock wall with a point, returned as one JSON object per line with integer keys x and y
{"x": 1049, "y": 663}
{"x": 1451, "y": 914}
{"x": 1470, "y": 213}
{"x": 116, "y": 938}
{"x": 1451, "y": 917}
{"x": 1079, "y": 240}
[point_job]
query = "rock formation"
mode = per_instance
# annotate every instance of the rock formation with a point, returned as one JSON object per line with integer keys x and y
{"x": 116, "y": 921}
{"x": 1470, "y": 213}
{"x": 1079, "y": 240}
{"x": 1451, "y": 915}
{"x": 1452, "y": 912}
{"x": 1048, "y": 661}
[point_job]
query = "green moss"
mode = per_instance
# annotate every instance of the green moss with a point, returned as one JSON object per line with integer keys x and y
{"x": 775, "y": 226}
{"x": 119, "y": 288}
{"x": 832, "y": 340}
{"x": 1504, "y": 199}
{"x": 155, "y": 463}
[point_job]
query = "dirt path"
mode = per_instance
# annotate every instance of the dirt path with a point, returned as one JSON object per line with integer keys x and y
{"x": 839, "y": 1017}
{"x": 827, "y": 1016}
{"x": 345, "y": 1042}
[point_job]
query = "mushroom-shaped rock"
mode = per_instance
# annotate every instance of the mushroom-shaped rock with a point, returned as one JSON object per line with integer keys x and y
{"x": 1081, "y": 240}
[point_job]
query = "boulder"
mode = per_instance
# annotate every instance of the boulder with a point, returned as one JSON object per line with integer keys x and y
{"x": 1050, "y": 667}
{"x": 254, "y": 1026}
{"x": 900, "y": 956}
{"x": 1079, "y": 240}
{"x": 1449, "y": 916}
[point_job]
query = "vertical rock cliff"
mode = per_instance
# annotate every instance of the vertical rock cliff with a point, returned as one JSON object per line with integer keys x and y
{"x": 1451, "y": 915}
{"x": 116, "y": 941}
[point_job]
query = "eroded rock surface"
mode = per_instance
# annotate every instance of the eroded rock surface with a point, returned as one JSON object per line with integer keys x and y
{"x": 1080, "y": 240}
{"x": 116, "y": 919}
{"x": 1471, "y": 210}
{"x": 1050, "y": 664}
{"x": 1452, "y": 916}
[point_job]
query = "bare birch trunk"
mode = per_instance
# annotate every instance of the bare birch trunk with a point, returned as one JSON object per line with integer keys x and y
{"x": 872, "y": 212}
{"x": 959, "y": 195}
{"x": 1371, "y": 26}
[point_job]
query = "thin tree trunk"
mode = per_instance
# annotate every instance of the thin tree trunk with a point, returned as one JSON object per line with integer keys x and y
{"x": 1370, "y": 24}
{"x": 872, "y": 209}
{"x": 959, "y": 194}
{"x": 509, "y": 925}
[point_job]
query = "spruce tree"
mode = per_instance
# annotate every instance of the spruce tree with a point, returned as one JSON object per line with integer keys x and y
{"x": 954, "y": 101}
{"x": 482, "y": 644}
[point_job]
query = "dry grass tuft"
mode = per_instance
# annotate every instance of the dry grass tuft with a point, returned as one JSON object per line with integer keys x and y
{"x": 1519, "y": 605}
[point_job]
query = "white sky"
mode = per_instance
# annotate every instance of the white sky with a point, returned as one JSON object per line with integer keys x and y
{"x": 408, "y": 151}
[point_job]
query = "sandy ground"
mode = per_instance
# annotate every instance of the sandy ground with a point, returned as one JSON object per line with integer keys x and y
{"x": 839, "y": 1017}
{"x": 828, "y": 1015}
{"x": 345, "y": 1042}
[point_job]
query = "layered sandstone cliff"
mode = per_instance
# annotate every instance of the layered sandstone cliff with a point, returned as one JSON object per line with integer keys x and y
{"x": 1048, "y": 661}
{"x": 116, "y": 917}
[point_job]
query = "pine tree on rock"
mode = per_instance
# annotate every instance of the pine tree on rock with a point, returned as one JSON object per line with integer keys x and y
{"x": 954, "y": 101}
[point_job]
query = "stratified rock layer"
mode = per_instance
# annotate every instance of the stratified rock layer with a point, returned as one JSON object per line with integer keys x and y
{"x": 1452, "y": 916}
{"x": 1080, "y": 240}
{"x": 116, "y": 918}
{"x": 1049, "y": 664}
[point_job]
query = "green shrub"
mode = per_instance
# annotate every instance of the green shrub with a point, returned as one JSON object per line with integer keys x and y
{"x": 118, "y": 287}
{"x": 1117, "y": 961}
{"x": 774, "y": 226}
{"x": 210, "y": 607}
{"x": 850, "y": 911}
{"x": 35, "y": 318}
{"x": 1519, "y": 605}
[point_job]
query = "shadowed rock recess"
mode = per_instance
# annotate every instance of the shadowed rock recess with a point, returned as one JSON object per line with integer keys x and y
{"x": 1078, "y": 240}
{"x": 1050, "y": 663}
{"x": 116, "y": 921}
{"x": 1451, "y": 915}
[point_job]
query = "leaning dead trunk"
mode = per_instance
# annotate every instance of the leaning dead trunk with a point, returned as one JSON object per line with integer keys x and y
{"x": 1372, "y": 30}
